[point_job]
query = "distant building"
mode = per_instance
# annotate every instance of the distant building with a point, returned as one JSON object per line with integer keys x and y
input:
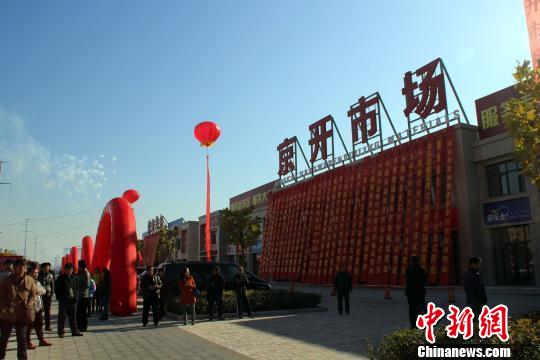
{"x": 257, "y": 198}
{"x": 218, "y": 239}
{"x": 187, "y": 240}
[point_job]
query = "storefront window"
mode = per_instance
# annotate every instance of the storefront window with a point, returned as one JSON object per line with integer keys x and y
{"x": 505, "y": 179}
{"x": 513, "y": 256}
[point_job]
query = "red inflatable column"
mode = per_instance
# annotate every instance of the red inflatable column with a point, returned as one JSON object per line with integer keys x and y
{"x": 88, "y": 252}
{"x": 75, "y": 258}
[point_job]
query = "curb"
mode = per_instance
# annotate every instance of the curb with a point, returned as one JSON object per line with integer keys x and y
{"x": 234, "y": 316}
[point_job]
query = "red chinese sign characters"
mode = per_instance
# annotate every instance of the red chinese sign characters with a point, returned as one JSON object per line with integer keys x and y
{"x": 319, "y": 138}
{"x": 429, "y": 320}
{"x": 360, "y": 114}
{"x": 491, "y": 322}
{"x": 494, "y": 322}
{"x": 461, "y": 322}
{"x": 286, "y": 156}
{"x": 432, "y": 95}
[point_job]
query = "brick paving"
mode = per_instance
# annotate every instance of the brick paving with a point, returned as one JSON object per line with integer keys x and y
{"x": 319, "y": 335}
{"x": 329, "y": 335}
{"x": 125, "y": 338}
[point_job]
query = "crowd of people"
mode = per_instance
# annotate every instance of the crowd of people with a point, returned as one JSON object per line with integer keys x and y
{"x": 155, "y": 292}
{"x": 26, "y": 292}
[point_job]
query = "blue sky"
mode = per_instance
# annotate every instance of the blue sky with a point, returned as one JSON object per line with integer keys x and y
{"x": 98, "y": 97}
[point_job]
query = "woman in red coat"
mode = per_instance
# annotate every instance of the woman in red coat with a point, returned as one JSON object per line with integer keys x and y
{"x": 187, "y": 296}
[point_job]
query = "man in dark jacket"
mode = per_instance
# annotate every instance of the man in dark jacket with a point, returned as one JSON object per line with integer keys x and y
{"x": 67, "y": 292}
{"x": 240, "y": 283}
{"x": 343, "y": 287}
{"x": 46, "y": 278}
{"x": 150, "y": 286}
{"x": 84, "y": 295}
{"x": 415, "y": 290}
{"x": 474, "y": 286}
{"x": 214, "y": 294}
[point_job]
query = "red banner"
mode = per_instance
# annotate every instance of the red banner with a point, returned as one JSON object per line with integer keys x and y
{"x": 370, "y": 216}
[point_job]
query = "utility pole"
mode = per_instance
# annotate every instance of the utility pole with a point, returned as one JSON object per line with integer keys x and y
{"x": 35, "y": 247}
{"x": 25, "y": 235}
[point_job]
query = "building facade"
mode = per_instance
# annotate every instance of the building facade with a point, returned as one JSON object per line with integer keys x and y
{"x": 220, "y": 251}
{"x": 444, "y": 197}
{"x": 187, "y": 241}
{"x": 509, "y": 204}
{"x": 258, "y": 199}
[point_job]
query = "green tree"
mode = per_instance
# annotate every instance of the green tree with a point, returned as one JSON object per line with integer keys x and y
{"x": 166, "y": 244}
{"x": 521, "y": 118}
{"x": 242, "y": 228}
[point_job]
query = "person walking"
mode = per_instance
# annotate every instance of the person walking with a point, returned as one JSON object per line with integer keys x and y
{"x": 37, "y": 325}
{"x": 83, "y": 278}
{"x": 46, "y": 278}
{"x": 343, "y": 287}
{"x": 16, "y": 291}
{"x": 105, "y": 284}
{"x": 163, "y": 293}
{"x": 67, "y": 293}
{"x": 214, "y": 294}
{"x": 415, "y": 290}
{"x": 473, "y": 285}
{"x": 188, "y": 290}
{"x": 150, "y": 285}
{"x": 240, "y": 283}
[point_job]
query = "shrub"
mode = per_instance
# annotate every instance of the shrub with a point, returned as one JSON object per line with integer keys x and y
{"x": 260, "y": 300}
{"x": 524, "y": 341}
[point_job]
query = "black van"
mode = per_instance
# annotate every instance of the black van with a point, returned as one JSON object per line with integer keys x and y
{"x": 202, "y": 271}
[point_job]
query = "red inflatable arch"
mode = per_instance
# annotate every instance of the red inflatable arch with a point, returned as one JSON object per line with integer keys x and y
{"x": 88, "y": 252}
{"x": 116, "y": 249}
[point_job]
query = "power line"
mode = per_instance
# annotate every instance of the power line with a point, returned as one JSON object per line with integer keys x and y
{"x": 51, "y": 217}
{"x": 69, "y": 229}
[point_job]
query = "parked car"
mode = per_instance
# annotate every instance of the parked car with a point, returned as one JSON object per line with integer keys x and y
{"x": 202, "y": 271}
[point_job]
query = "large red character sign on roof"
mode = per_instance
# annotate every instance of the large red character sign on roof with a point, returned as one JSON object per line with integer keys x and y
{"x": 431, "y": 97}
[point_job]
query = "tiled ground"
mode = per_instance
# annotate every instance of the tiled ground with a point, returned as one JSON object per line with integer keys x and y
{"x": 319, "y": 335}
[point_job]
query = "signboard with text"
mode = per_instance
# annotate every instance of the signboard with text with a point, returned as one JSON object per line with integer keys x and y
{"x": 426, "y": 110}
{"x": 489, "y": 112}
{"x": 256, "y": 198}
{"x": 507, "y": 212}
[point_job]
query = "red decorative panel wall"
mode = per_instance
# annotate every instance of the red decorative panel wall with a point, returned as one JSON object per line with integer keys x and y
{"x": 370, "y": 216}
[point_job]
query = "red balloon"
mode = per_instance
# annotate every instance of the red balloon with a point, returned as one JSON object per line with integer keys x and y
{"x": 207, "y": 133}
{"x": 116, "y": 249}
{"x": 131, "y": 195}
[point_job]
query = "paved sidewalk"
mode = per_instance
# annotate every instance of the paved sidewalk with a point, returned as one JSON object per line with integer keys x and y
{"x": 125, "y": 338}
{"x": 328, "y": 335}
{"x": 321, "y": 335}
